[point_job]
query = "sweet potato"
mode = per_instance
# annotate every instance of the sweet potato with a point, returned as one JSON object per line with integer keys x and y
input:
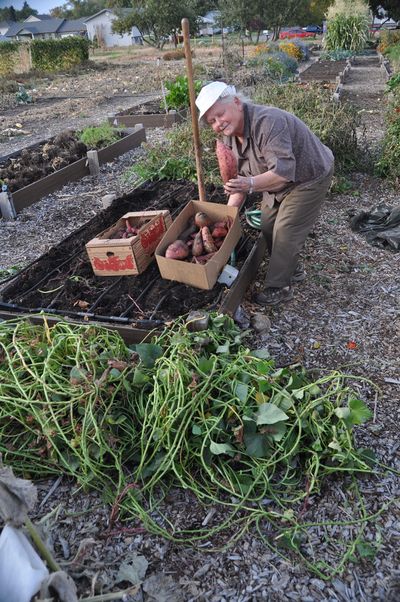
{"x": 203, "y": 258}
{"x": 208, "y": 242}
{"x": 177, "y": 250}
{"x": 201, "y": 219}
{"x": 226, "y": 161}
{"x": 219, "y": 232}
{"x": 197, "y": 248}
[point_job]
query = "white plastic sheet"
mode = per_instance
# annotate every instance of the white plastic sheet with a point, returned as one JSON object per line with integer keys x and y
{"x": 21, "y": 569}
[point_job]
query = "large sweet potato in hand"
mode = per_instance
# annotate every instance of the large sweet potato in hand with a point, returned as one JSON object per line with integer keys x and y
{"x": 226, "y": 161}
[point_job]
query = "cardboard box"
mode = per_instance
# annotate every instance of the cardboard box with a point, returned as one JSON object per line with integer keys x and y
{"x": 128, "y": 256}
{"x": 199, "y": 276}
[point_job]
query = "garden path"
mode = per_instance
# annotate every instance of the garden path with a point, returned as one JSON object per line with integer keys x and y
{"x": 364, "y": 88}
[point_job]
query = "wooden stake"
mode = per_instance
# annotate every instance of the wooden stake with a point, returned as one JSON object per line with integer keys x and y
{"x": 93, "y": 161}
{"x": 7, "y": 209}
{"x": 195, "y": 122}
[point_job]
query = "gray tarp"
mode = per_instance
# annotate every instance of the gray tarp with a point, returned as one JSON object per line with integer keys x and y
{"x": 381, "y": 226}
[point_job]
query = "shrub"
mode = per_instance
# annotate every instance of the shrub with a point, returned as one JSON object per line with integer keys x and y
{"x": 304, "y": 49}
{"x": 336, "y": 55}
{"x": 277, "y": 65}
{"x": 8, "y": 57}
{"x": 388, "y": 164}
{"x": 393, "y": 54}
{"x": 387, "y": 39}
{"x": 260, "y": 49}
{"x": 175, "y": 159}
{"x": 53, "y": 55}
{"x": 177, "y": 96}
{"x": 174, "y": 55}
{"x": 99, "y": 136}
{"x": 347, "y": 25}
{"x": 334, "y": 123}
{"x": 291, "y": 50}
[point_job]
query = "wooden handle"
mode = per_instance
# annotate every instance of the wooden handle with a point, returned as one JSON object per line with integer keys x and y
{"x": 195, "y": 123}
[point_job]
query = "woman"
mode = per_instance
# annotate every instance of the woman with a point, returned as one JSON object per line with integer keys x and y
{"x": 279, "y": 156}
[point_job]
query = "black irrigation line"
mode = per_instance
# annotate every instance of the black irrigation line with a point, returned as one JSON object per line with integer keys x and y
{"x": 122, "y": 318}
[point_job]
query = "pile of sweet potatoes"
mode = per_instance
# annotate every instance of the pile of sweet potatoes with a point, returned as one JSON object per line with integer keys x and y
{"x": 200, "y": 240}
{"x": 127, "y": 230}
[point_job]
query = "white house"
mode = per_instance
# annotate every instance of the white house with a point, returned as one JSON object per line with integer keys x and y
{"x": 99, "y": 26}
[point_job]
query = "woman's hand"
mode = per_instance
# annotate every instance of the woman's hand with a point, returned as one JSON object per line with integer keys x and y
{"x": 241, "y": 184}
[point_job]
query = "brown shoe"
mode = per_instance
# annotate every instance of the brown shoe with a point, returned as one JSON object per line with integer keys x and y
{"x": 273, "y": 296}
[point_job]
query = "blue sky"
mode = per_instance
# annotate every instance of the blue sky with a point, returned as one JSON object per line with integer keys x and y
{"x": 42, "y": 6}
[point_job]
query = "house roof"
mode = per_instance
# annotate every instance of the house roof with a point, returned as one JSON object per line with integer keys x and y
{"x": 70, "y": 25}
{"x": 49, "y": 26}
{"x": 123, "y": 11}
{"x": 38, "y": 18}
{"x": 35, "y": 27}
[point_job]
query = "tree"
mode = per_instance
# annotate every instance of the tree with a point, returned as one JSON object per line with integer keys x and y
{"x": 392, "y": 8}
{"x": 9, "y": 13}
{"x": 262, "y": 14}
{"x": 77, "y": 9}
{"x": 156, "y": 20}
{"x": 25, "y": 12}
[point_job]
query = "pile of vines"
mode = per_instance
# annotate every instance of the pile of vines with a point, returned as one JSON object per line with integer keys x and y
{"x": 190, "y": 411}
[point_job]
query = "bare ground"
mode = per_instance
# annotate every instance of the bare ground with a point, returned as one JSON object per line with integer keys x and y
{"x": 351, "y": 295}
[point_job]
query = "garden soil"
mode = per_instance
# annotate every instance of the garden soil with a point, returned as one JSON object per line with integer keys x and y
{"x": 344, "y": 316}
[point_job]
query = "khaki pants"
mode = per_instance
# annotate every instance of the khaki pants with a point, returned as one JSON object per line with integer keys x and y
{"x": 286, "y": 226}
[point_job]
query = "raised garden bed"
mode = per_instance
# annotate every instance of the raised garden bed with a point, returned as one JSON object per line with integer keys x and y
{"x": 67, "y": 166}
{"x": 149, "y": 114}
{"x": 323, "y": 71}
{"x": 62, "y": 283}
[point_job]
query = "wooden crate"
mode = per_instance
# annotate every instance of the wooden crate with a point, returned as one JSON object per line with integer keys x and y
{"x": 128, "y": 256}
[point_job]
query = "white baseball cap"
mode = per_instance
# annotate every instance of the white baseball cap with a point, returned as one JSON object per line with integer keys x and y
{"x": 209, "y": 95}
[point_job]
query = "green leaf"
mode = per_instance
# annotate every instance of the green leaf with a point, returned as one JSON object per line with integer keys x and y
{"x": 206, "y": 364}
{"x": 78, "y": 375}
{"x": 115, "y": 373}
{"x": 342, "y": 413}
{"x": 360, "y": 412}
{"x": 221, "y": 448}
{"x": 241, "y": 391}
{"x": 243, "y": 483}
{"x": 268, "y": 413}
{"x": 116, "y": 419}
{"x": 264, "y": 367}
{"x": 222, "y": 348}
{"x": 276, "y": 431}
{"x": 139, "y": 378}
{"x": 148, "y": 353}
{"x": 257, "y": 445}
{"x": 262, "y": 354}
{"x": 196, "y": 430}
{"x": 249, "y": 425}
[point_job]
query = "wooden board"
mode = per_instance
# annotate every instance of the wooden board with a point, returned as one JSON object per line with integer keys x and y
{"x": 164, "y": 120}
{"x": 75, "y": 171}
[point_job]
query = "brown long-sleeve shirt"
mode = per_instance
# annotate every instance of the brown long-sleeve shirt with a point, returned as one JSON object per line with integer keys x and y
{"x": 275, "y": 140}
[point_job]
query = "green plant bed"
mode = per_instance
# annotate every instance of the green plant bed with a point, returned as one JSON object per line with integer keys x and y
{"x": 96, "y": 137}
